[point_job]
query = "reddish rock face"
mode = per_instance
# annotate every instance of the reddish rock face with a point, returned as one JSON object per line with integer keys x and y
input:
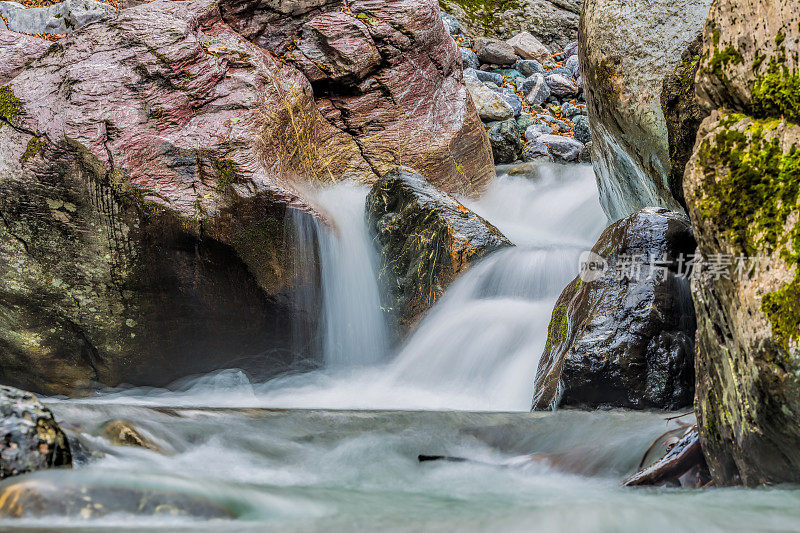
{"x": 148, "y": 163}
{"x": 385, "y": 72}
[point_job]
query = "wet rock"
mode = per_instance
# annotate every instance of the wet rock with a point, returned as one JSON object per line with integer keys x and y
{"x": 581, "y": 129}
{"x": 561, "y": 86}
{"x": 536, "y": 90}
{"x": 469, "y": 59}
{"x": 494, "y": 51}
{"x": 534, "y": 131}
{"x": 425, "y": 238}
{"x": 561, "y": 147}
{"x": 553, "y": 22}
{"x": 525, "y": 120}
{"x": 490, "y": 104}
{"x": 123, "y": 433}
{"x": 529, "y": 67}
{"x": 742, "y": 192}
{"x": 586, "y": 153}
{"x": 636, "y": 161}
{"x": 620, "y": 336}
{"x": 451, "y": 24}
{"x": 527, "y": 46}
{"x": 505, "y": 140}
{"x": 147, "y": 210}
{"x": 536, "y": 151}
{"x": 63, "y": 17}
{"x": 30, "y": 438}
{"x": 683, "y": 465}
{"x": 35, "y": 498}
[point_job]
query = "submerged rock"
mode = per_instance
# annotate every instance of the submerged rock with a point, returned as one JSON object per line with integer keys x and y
{"x": 637, "y": 161}
{"x": 30, "y": 438}
{"x": 425, "y": 238}
{"x": 682, "y": 465}
{"x": 34, "y": 498}
{"x": 123, "y": 433}
{"x": 621, "y": 335}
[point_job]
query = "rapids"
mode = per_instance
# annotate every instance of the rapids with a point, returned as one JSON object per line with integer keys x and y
{"x": 335, "y": 449}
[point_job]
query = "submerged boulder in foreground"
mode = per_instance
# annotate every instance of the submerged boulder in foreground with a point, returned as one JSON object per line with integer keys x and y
{"x": 638, "y": 61}
{"x": 30, "y": 439}
{"x": 33, "y": 498}
{"x": 426, "y": 239}
{"x": 620, "y": 336}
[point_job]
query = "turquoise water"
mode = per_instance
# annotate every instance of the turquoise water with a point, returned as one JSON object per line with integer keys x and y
{"x": 319, "y": 470}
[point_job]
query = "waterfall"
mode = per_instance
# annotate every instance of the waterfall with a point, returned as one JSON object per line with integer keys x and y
{"x": 477, "y": 349}
{"x": 353, "y": 329}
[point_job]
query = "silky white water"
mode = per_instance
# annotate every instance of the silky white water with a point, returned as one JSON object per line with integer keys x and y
{"x": 309, "y": 470}
{"x": 478, "y": 347}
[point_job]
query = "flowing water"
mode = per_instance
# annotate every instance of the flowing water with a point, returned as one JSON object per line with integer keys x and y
{"x": 310, "y": 452}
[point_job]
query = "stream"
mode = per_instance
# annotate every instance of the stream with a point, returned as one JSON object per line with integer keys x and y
{"x": 335, "y": 449}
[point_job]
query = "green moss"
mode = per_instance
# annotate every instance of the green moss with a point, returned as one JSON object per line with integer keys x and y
{"x": 751, "y": 188}
{"x": 721, "y": 59}
{"x": 226, "y": 171}
{"x": 483, "y": 13}
{"x": 36, "y": 145}
{"x": 779, "y": 38}
{"x": 10, "y": 105}
{"x": 777, "y": 93}
{"x": 558, "y": 328}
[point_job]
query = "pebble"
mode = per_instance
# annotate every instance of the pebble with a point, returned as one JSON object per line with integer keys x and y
{"x": 535, "y": 89}
{"x": 561, "y": 86}
{"x": 571, "y": 64}
{"x": 505, "y": 140}
{"x": 469, "y": 59}
{"x": 529, "y": 67}
{"x": 582, "y": 131}
{"x": 534, "y": 131}
{"x": 571, "y": 49}
{"x": 451, "y": 24}
{"x": 494, "y": 51}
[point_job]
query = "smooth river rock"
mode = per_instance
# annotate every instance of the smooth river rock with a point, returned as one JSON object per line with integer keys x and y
{"x": 622, "y": 335}
{"x": 627, "y": 51}
{"x": 425, "y": 238}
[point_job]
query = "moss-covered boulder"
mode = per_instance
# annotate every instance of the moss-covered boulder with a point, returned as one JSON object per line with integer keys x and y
{"x": 621, "y": 335}
{"x": 742, "y": 189}
{"x": 426, "y": 239}
{"x": 553, "y": 22}
{"x": 638, "y": 61}
{"x": 151, "y": 166}
{"x": 30, "y": 438}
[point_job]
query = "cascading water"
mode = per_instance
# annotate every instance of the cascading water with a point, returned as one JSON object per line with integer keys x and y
{"x": 354, "y": 332}
{"x": 478, "y": 347}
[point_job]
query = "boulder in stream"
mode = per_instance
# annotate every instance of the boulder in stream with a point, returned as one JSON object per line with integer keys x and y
{"x": 638, "y": 61}
{"x": 742, "y": 190}
{"x": 623, "y": 335}
{"x": 426, "y": 239}
{"x": 146, "y": 191}
{"x": 30, "y": 438}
